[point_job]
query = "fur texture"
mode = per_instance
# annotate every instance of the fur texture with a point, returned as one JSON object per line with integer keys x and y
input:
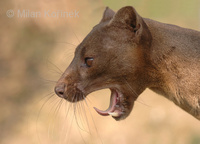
{"x": 129, "y": 53}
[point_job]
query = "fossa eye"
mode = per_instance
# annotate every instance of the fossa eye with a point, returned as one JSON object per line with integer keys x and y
{"x": 89, "y": 61}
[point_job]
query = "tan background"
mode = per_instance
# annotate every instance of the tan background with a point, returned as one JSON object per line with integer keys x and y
{"x": 33, "y": 51}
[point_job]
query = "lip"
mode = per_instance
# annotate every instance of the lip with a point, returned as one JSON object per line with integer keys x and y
{"x": 119, "y": 107}
{"x": 116, "y": 108}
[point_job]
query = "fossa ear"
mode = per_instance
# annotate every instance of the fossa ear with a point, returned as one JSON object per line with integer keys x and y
{"x": 108, "y": 14}
{"x": 128, "y": 16}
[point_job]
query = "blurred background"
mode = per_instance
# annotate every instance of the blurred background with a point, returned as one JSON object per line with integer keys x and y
{"x": 35, "y": 50}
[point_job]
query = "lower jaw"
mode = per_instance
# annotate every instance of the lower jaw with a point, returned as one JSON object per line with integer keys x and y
{"x": 116, "y": 108}
{"x": 119, "y": 118}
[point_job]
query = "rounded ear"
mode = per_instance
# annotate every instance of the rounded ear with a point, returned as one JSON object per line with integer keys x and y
{"x": 128, "y": 16}
{"x": 108, "y": 14}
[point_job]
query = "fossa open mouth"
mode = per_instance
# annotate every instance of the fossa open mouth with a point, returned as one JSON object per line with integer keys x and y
{"x": 116, "y": 108}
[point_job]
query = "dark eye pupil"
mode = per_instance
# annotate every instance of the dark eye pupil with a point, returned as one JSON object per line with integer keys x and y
{"x": 89, "y": 61}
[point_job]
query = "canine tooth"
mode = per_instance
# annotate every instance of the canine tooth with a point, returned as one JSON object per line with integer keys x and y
{"x": 114, "y": 114}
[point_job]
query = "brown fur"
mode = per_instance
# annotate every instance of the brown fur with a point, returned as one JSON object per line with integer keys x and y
{"x": 131, "y": 54}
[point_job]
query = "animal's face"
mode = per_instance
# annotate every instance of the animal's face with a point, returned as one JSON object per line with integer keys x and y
{"x": 111, "y": 56}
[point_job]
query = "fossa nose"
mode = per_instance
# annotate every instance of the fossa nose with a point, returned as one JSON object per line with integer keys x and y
{"x": 60, "y": 89}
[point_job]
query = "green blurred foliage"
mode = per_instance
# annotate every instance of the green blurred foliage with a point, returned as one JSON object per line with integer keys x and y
{"x": 181, "y": 12}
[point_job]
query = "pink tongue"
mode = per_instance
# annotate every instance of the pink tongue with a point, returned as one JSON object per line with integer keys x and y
{"x": 113, "y": 102}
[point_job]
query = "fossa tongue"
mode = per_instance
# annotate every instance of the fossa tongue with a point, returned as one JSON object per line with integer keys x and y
{"x": 112, "y": 109}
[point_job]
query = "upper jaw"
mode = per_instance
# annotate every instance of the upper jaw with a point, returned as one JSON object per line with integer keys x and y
{"x": 121, "y": 103}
